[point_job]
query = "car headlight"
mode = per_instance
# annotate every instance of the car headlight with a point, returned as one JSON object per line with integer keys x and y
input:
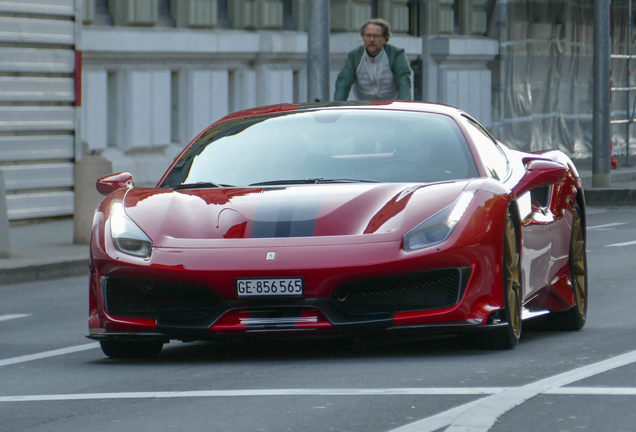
{"x": 127, "y": 236}
{"x": 438, "y": 227}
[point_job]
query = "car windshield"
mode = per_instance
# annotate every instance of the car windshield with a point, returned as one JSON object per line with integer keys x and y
{"x": 326, "y": 146}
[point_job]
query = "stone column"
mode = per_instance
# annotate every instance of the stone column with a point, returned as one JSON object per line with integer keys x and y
{"x": 5, "y": 245}
{"x": 456, "y": 73}
{"x": 87, "y": 170}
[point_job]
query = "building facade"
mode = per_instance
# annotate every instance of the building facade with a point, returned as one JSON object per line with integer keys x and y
{"x": 155, "y": 73}
{"x": 38, "y": 113}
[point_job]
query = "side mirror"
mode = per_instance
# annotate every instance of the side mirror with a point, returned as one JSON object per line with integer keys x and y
{"x": 540, "y": 173}
{"x": 112, "y": 182}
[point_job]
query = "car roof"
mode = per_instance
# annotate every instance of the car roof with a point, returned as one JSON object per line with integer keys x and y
{"x": 313, "y": 106}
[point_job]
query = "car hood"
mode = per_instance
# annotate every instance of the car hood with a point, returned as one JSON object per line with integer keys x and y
{"x": 387, "y": 210}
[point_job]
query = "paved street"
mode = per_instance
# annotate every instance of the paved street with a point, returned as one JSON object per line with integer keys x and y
{"x": 53, "y": 379}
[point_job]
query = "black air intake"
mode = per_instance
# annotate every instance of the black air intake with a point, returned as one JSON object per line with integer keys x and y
{"x": 428, "y": 290}
{"x": 134, "y": 298}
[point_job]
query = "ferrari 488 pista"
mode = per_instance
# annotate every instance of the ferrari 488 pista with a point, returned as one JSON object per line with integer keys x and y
{"x": 339, "y": 219}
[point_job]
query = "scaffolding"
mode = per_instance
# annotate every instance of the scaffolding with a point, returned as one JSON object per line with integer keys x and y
{"x": 543, "y": 78}
{"x": 630, "y": 109}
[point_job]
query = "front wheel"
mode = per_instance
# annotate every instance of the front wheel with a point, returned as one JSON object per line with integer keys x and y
{"x": 505, "y": 337}
{"x": 130, "y": 349}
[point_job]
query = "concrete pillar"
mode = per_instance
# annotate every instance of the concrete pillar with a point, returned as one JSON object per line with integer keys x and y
{"x": 346, "y": 15}
{"x": 147, "y": 118}
{"x": 87, "y": 170}
{"x": 437, "y": 17}
{"x": 206, "y": 100}
{"x": 5, "y": 246}
{"x": 95, "y": 108}
{"x": 396, "y": 12}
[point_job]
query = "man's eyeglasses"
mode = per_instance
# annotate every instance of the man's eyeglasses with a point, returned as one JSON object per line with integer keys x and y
{"x": 373, "y": 36}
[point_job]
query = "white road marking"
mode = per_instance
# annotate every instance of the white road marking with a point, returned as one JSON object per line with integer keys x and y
{"x": 476, "y": 416}
{"x": 266, "y": 392}
{"x": 13, "y": 316}
{"x": 47, "y": 354}
{"x": 606, "y": 225}
{"x": 621, "y": 244}
{"x": 443, "y": 420}
{"x": 481, "y": 415}
{"x": 603, "y": 391}
{"x": 438, "y": 421}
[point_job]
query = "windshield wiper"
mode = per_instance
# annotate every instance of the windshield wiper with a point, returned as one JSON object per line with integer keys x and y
{"x": 199, "y": 185}
{"x": 287, "y": 182}
{"x": 345, "y": 180}
{"x": 311, "y": 181}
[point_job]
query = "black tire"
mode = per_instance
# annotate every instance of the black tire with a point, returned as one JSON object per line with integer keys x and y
{"x": 506, "y": 337}
{"x": 131, "y": 349}
{"x": 574, "y": 318}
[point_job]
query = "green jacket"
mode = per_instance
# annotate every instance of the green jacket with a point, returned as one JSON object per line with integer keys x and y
{"x": 397, "y": 61}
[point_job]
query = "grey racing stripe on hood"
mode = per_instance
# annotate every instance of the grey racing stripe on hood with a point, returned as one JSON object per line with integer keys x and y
{"x": 286, "y": 215}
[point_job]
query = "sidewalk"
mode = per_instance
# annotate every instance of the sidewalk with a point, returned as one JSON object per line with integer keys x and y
{"x": 622, "y": 191}
{"x": 44, "y": 251}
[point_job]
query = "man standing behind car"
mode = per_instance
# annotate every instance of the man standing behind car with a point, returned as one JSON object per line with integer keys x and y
{"x": 376, "y": 70}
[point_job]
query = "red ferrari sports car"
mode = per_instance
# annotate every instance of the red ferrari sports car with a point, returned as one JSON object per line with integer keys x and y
{"x": 339, "y": 219}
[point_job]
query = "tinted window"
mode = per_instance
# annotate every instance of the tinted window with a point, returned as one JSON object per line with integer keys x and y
{"x": 386, "y": 146}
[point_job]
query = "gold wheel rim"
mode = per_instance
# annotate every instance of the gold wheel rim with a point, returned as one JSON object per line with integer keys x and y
{"x": 512, "y": 284}
{"x": 578, "y": 267}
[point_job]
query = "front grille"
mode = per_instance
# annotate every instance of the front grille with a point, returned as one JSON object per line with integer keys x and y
{"x": 402, "y": 293}
{"x": 134, "y": 298}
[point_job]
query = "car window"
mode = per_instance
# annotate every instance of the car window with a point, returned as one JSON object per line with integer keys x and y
{"x": 374, "y": 145}
{"x": 491, "y": 154}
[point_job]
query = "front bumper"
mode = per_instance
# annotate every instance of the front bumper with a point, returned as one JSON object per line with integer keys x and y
{"x": 331, "y": 274}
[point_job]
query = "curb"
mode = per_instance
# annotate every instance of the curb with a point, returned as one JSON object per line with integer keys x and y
{"x": 616, "y": 180}
{"x": 608, "y": 197}
{"x": 44, "y": 272}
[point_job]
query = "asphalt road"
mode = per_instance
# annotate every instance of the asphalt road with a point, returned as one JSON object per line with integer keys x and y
{"x": 53, "y": 379}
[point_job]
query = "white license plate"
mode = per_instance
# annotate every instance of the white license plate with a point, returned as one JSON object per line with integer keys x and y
{"x": 269, "y": 287}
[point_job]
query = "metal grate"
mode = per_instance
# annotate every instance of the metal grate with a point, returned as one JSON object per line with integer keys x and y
{"x": 411, "y": 292}
{"x": 133, "y": 298}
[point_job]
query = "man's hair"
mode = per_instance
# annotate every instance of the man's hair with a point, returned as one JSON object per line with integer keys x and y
{"x": 386, "y": 27}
